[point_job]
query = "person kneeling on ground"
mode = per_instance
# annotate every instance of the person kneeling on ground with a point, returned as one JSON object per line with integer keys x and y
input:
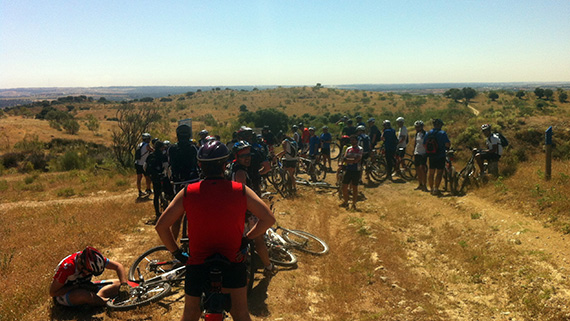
{"x": 72, "y": 286}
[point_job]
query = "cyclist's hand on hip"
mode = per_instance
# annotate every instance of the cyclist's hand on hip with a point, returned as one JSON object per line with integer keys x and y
{"x": 240, "y": 255}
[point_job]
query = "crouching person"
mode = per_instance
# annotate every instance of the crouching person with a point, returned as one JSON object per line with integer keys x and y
{"x": 72, "y": 285}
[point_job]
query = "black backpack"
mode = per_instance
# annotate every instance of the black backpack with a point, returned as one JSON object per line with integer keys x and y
{"x": 183, "y": 159}
{"x": 504, "y": 140}
{"x": 431, "y": 143}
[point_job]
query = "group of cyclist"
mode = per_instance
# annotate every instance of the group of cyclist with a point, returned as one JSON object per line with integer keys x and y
{"x": 230, "y": 191}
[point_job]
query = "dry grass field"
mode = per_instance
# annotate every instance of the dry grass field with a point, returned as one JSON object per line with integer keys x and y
{"x": 499, "y": 253}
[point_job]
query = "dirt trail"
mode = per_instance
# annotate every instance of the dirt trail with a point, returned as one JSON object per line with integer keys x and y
{"x": 475, "y": 111}
{"x": 404, "y": 255}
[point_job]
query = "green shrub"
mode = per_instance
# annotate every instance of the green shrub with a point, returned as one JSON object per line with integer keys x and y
{"x": 66, "y": 192}
{"x": 4, "y": 185}
{"x": 71, "y": 160}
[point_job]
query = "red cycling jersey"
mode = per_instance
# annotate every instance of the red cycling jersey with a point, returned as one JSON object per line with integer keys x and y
{"x": 215, "y": 210}
{"x": 67, "y": 273}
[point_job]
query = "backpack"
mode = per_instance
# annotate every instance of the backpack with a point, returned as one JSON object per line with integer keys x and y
{"x": 431, "y": 143}
{"x": 183, "y": 161}
{"x": 138, "y": 151}
{"x": 294, "y": 148}
{"x": 504, "y": 141}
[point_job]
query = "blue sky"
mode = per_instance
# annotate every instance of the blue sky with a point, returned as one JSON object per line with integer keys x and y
{"x": 186, "y": 43}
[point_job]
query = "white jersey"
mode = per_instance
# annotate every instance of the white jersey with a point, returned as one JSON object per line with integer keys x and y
{"x": 403, "y": 134}
{"x": 420, "y": 149}
{"x": 494, "y": 140}
{"x": 145, "y": 151}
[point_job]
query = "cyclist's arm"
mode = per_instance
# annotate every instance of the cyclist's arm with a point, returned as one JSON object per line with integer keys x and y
{"x": 173, "y": 212}
{"x": 258, "y": 208}
{"x": 240, "y": 177}
{"x": 119, "y": 268}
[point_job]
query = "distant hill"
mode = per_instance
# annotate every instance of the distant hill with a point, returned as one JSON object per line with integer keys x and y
{"x": 18, "y": 96}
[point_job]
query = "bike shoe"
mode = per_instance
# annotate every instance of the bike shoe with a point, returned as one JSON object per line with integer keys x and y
{"x": 141, "y": 194}
{"x": 148, "y": 191}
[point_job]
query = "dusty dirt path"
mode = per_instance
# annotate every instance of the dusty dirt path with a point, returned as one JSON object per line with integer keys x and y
{"x": 404, "y": 255}
{"x": 475, "y": 111}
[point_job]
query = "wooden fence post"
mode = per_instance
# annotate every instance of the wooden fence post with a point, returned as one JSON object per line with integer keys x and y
{"x": 548, "y": 143}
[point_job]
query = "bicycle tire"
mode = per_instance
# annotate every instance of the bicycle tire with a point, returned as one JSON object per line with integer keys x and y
{"x": 141, "y": 296}
{"x": 463, "y": 181}
{"x": 408, "y": 169}
{"x": 335, "y": 150}
{"x": 250, "y": 269}
{"x": 378, "y": 170}
{"x": 311, "y": 244}
{"x": 155, "y": 261}
{"x": 281, "y": 256}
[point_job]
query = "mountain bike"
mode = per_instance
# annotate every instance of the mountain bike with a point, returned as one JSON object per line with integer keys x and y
{"x": 449, "y": 173}
{"x": 468, "y": 176}
{"x": 282, "y": 180}
{"x": 405, "y": 166}
{"x": 313, "y": 166}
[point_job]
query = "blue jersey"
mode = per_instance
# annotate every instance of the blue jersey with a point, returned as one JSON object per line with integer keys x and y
{"x": 326, "y": 137}
{"x": 390, "y": 139}
{"x": 442, "y": 140}
{"x": 314, "y": 142}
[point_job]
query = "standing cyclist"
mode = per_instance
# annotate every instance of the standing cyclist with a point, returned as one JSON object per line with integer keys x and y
{"x": 215, "y": 209}
{"x": 141, "y": 153}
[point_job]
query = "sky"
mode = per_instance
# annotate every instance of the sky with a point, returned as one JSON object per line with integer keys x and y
{"x": 223, "y": 43}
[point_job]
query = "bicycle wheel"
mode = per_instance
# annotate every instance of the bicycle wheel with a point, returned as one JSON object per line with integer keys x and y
{"x": 249, "y": 263}
{"x": 463, "y": 181}
{"x": 408, "y": 169}
{"x": 378, "y": 170}
{"x": 140, "y": 296}
{"x": 305, "y": 242}
{"x": 280, "y": 255}
{"x": 335, "y": 150}
{"x": 154, "y": 262}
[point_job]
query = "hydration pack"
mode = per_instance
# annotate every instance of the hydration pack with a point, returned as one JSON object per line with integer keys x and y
{"x": 504, "y": 141}
{"x": 431, "y": 143}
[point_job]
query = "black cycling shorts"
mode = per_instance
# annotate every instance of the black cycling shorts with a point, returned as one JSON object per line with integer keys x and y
{"x": 140, "y": 169}
{"x": 491, "y": 157}
{"x": 326, "y": 151}
{"x": 352, "y": 177}
{"x": 420, "y": 160}
{"x": 234, "y": 276}
{"x": 436, "y": 162}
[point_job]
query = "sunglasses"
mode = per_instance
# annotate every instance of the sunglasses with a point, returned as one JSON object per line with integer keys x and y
{"x": 244, "y": 155}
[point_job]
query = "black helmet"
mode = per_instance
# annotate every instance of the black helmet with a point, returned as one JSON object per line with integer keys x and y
{"x": 203, "y": 132}
{"x": 437, "y": 122}
{"x": 183, "y": 131}
{"x": 242, "y": 144}
{"x": 387, "y": 123}
{"x": 358, "y": 117}
{"x": 213, "y": 150}
{"x": 158, "y": 144}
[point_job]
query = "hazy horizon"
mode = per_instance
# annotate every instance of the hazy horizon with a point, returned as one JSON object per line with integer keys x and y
{"x": 293, "y": 43}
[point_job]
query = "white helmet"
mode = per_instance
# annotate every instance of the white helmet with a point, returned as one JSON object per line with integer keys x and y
{"x": 400, "y": 119}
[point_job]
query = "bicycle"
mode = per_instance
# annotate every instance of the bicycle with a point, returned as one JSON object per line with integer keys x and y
{"x": 468, "y": 176}
{"x": 336, "y": 150}
{"x": 281, "y": 180}
{"x": 449, "y": 173}
{"x": 313, "y": 167}
{"x": 406, "y": 166}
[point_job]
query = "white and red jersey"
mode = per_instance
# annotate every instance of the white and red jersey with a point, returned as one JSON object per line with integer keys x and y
{"x": 354, "y": 152}
{"x": 67, "y": 272}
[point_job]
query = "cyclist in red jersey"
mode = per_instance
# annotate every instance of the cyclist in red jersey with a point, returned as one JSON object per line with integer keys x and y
{"x": 72, "y": 286}
{"x": 215, "y": 209}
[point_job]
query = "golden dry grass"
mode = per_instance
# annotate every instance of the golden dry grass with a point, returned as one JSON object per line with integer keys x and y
{"x": 498, "y": 253}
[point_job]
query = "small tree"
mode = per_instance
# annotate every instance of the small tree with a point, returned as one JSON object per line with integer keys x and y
{"x": 548, "y": 94}
{"x": 243, "y": 108}
{"x": 71, "y": 126}
{"x": 539, "y": 92}
{"x": 562, "y": 97}
{"x": 133, "y": 121}
{"x": 493, "y": 95}
{"x": 454, "y": 93}
{"x": 468, "y": 93}
{"x": 92, "y": 123}
{"x": 520, "y": 94}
